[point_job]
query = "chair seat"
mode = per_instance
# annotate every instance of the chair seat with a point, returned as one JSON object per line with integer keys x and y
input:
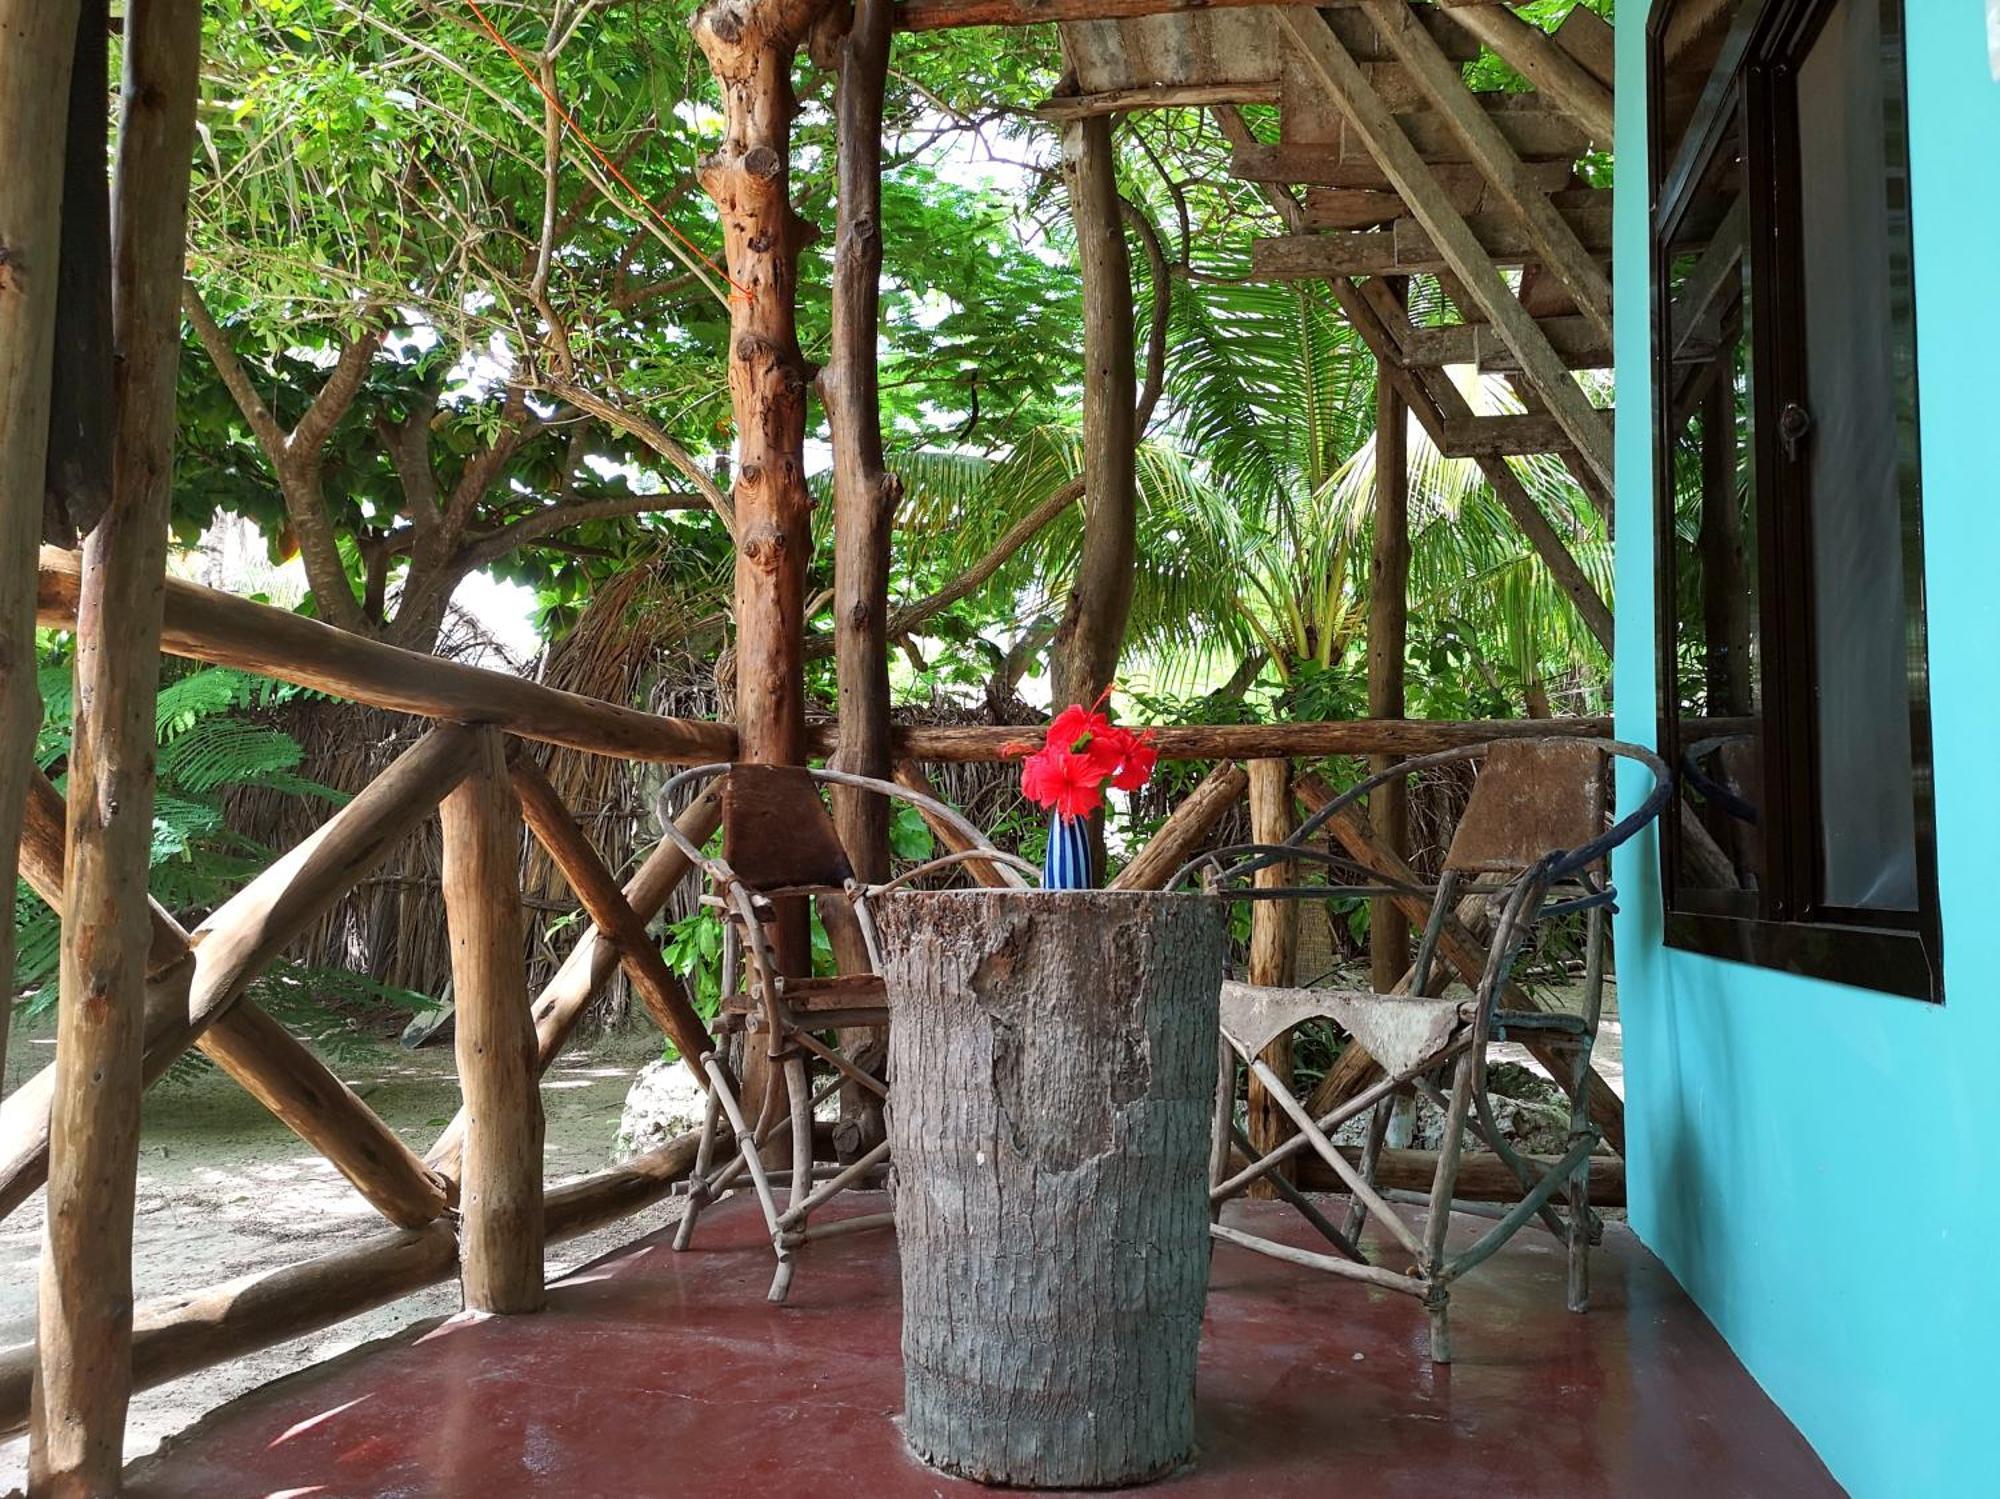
{"x": 846, "y": 991}
{"x": 1399, "y": 1030}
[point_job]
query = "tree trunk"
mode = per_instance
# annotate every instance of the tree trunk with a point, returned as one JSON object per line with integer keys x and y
{"x": 865, "y": 494}
{"x": 34, "y": 65}
{"x": 750, "y": 45}
{"x": 1054, "y": 1057}
{"x": 1092, "y": 632}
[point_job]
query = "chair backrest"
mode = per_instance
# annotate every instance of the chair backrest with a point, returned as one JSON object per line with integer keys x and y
{"x": 777, "y": 833}
{"x": 1532, "y": 797}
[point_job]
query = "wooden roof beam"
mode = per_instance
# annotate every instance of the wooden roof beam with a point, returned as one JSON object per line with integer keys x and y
{"x": 1561, "y": 251}
{"x": 1431, "y": 399}
{"x": 941, "y": 15}
{"x": 1557, "y": 76}
{"x": 1412, "y": 177}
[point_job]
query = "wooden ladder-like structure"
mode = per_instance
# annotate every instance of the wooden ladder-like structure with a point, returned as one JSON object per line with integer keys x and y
{"x": 1387, "y": 166}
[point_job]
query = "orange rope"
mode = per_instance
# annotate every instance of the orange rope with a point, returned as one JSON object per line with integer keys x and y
{"x": 737, "y": 289}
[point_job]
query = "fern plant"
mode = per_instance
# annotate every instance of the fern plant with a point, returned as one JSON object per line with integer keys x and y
{"x": 215, "y": 735}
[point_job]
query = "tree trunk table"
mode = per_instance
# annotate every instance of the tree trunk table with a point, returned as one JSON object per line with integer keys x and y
{"x": 1053, "y": 1059}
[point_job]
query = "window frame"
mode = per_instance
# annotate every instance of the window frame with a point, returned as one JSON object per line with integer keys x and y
{"x": 1793, "y": 929}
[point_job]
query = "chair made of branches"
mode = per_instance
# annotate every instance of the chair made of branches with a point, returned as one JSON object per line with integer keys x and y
{"x": 779, "y": 845}
{"x": 1531, "y": 847}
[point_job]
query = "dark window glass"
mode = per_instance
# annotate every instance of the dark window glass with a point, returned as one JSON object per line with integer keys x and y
{"x": 1794, "y": 698}
{"x": 1866, "y": 776}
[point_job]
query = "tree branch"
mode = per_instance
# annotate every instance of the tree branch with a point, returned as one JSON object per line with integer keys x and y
{"x": 1163, "y": 293}
{"x": 222, "y": 354}
{"x": 492, "y": 546}
{"x": 294, "y": 463}
{"x": 1023, "y": 531}
{"x": 653, "y": 436}
{"x": 334, "y": 397}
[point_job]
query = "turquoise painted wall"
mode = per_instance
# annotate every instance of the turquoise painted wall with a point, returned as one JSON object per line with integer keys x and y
{"x": 1814, "y": 1162}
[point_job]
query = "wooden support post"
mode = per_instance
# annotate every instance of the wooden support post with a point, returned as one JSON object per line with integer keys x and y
{"x": 1180, "y": 836}
{"x": 1084, "y": 655}
{"x": 500, "y": 1197}
{"x": 34, "y": 67}
{"x": 1328, "y": 60}
{"x": 663, "y": 995}
{"x": 750, "y": 46}
{"x": 566, "y": 997}
{"x": 1274, "y": 937}
{"x": 1388, "y": 643}
{"x": 85, "y": 1310}
{"x": 865, "y": 493}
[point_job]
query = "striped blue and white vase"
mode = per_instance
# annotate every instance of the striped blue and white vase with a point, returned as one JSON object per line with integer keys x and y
{"x": 1066, "y": 865}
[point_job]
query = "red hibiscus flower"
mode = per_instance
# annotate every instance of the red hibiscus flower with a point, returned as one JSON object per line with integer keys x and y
{"x": 1081, "y": 751}
{"x": 1068, "y": 782}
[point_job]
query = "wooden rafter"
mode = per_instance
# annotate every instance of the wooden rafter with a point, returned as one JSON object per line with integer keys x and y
{"x": 1537, "y": 57}
{"x": 1431, "y": 401}
{"x": 1560, "y": 248}
{"x": 1349, "y": 87}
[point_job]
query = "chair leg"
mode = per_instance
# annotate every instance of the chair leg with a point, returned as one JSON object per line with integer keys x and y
{"x": 798, "y": 1088}
{"x": 1220, "y": 1125}
{"x": 1443, "y": 1185}
{"x": 1371, "y": 1159}
{"x": 1578, "y": 1290}
{"x": 1437, "y": 1306}
{"x": 704, "y": 1156}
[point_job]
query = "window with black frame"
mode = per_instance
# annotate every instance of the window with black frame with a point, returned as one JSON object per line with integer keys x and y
{"x": 1794, "y": 702}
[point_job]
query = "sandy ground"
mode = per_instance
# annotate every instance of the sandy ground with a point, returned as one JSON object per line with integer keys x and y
{"x": 224, "y": 1190}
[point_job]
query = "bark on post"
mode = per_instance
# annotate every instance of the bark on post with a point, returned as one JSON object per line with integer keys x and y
{"x": 39, "y": 38}
{"x": 1092, "y": 631}
{"x": 865, "y": 494}
{"x": 1388, "y": 641}
{"x": 1054, "y": 1056}
{"x": 500, "y": 1197}
{"x": 750, "y": 45}
{"x": 1274, "y": 940}
{"x": 85, "y": 1315}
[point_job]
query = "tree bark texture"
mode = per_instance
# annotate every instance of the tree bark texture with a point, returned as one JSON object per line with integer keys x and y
{"x": 36, "y": 42}
{"x": 865, "y": 493}
{"x": 81, "y": 420}
{"x": 750, "y": 45}
{"x": 85, "y": 1309}
{"x": 1054, "y": 1064}
{"x": 500, "y": 1196}
{"x": 1092, "y": 632}
{"x": 1388, "y": 643}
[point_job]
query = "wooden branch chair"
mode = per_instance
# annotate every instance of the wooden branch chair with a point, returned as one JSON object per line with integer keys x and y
{"x": 779, "y": 844}
{"x": 1533, "y": 843}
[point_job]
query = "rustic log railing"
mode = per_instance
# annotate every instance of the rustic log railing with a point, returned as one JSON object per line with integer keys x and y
{"x": 475, "y": 1203}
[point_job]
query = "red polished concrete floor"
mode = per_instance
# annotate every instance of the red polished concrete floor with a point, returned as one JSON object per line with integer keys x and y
{"x": 653, "y": 1373}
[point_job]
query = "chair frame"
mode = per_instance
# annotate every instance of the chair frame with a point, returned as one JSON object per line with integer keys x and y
{"x": 749, "y": 956}
{"x": 1578, "y": 877}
